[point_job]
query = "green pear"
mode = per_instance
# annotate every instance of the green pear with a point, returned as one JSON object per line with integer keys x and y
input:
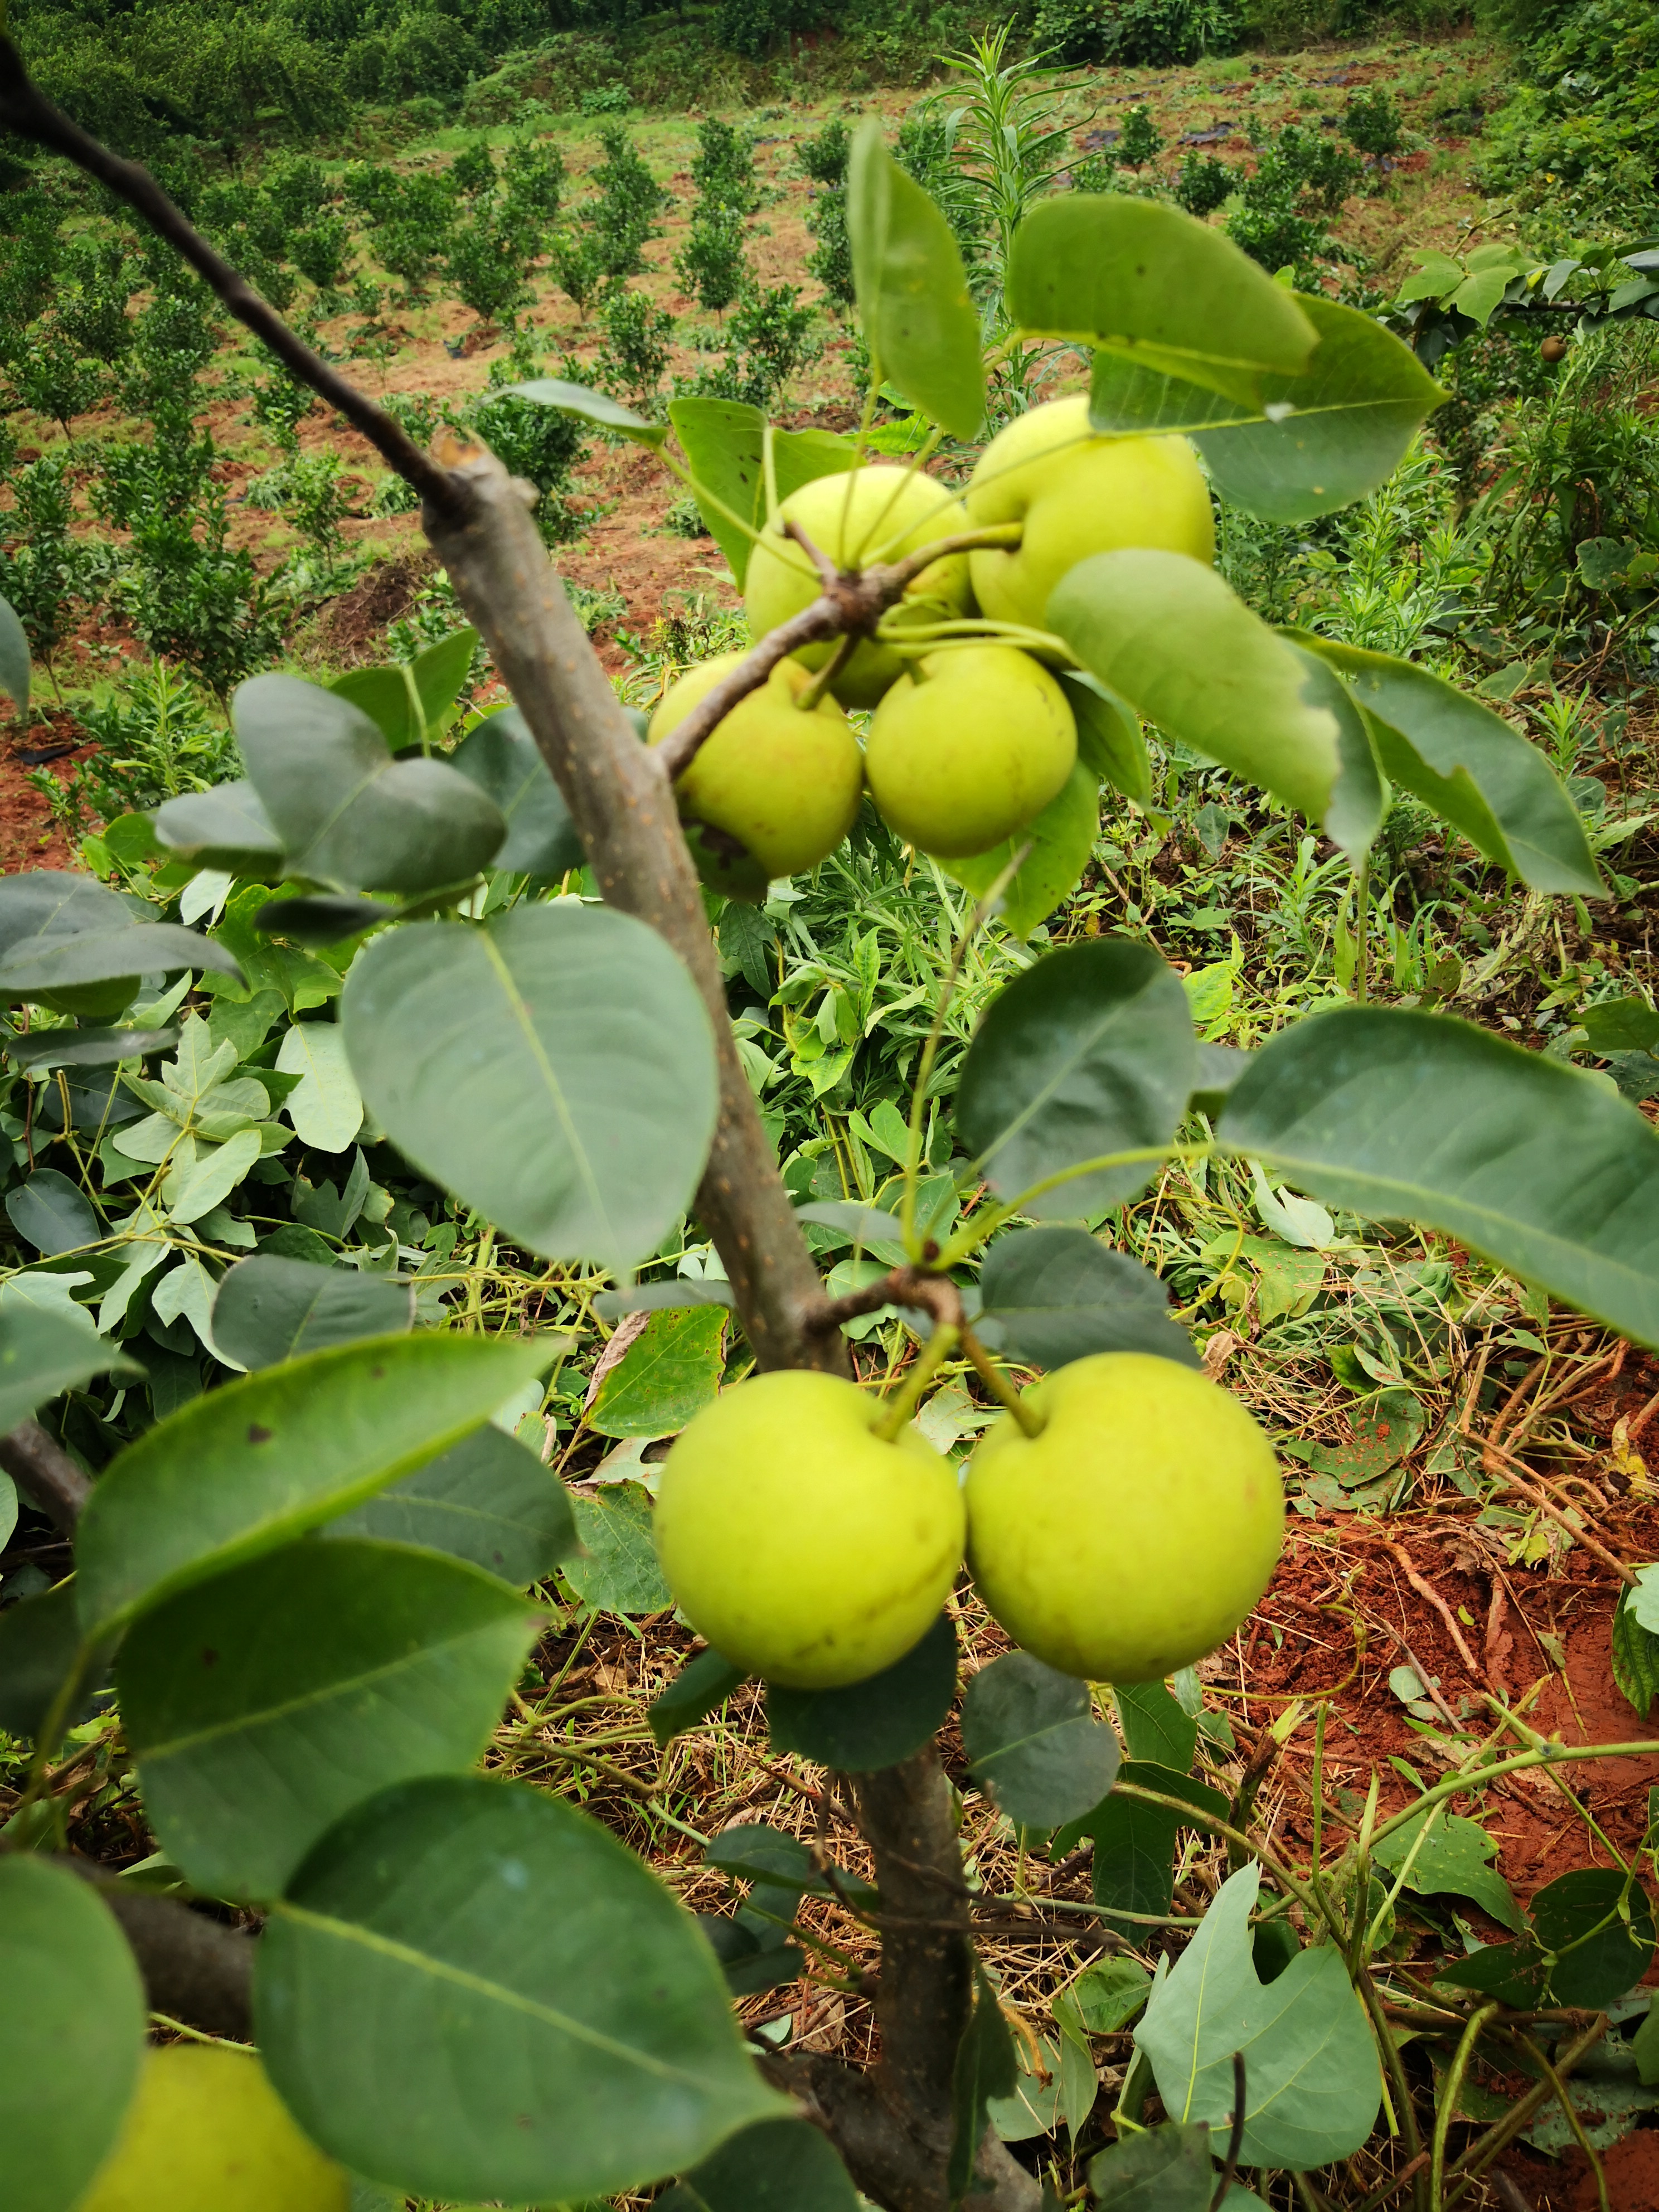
{"x": 804, "y": 1547}
{"x": 969, "y": 746}
{"x": 1078, "y": 493}
{"x": 773, "y": 788}
{"x": 858, "y": 518}
{"x": 206, "y": 2132}
{"x": 1137, "y": 1531}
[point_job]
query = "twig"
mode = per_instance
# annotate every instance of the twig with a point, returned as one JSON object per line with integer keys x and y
{"x": 1236, "y": 2140}
{"x": 1426, "y": 1591}
{"x": 1512, "y": 1480}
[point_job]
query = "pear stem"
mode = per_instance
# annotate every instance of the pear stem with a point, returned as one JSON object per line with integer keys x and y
{"x": 826, "y": 676}
{"x": 996, "y": 1382}
{"x": 903, "y": 1402}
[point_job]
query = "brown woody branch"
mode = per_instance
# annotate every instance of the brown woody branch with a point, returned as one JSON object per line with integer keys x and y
{"x": 45, "y": 1472}
{"x": 194, "y": 1969}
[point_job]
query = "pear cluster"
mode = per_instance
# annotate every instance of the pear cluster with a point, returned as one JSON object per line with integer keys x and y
{"x": 970, "y": 735}
{"x": 1127, "y": 1538}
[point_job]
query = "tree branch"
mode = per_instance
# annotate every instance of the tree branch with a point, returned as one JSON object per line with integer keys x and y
{"x": 45, "y": 1472}
{"x": 195, "y": 1969}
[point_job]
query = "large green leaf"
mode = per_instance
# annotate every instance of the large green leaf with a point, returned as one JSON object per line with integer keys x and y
{"x": 501, "y": 757}
{"x": 52, "y": 1214}
{"x": 1416, "y": 1117}
{"x": 258, "y": 1462}
{"x": 616, "y": 1569}
{"x": 876, "y": 1723}
{"x": 1451, "y": 1859}
{"x": 1135, "y": 278}
{"x": 525, "y": 2013}
{"x": 1168, "y": 635}
{"x": 265, "y": 1703}
{"x": 1167, "y": 2169}
{"x": 347, "y": 813}
{"x": 1597, "y": 1939}
{"x": 36, "y": 967}
{"x": 1089, "y": 1053}
{"x": 725, "y": 442}
{"x": 591, "y": 406}
{"x": 411, "y": 702}
{"x": 270, "y": 1309}
{"x": 1466, "y": 762}
{"x": 325, "y": 1106}
{"x": 87, "y": 1048}
{"x": 1032, "y": 1739}
{"x": 1061, "y": 841}
{"x": 1155, "y": 1725}
{"x": 40, "y": 1649}
{"x": 1335, "y": 431}
{"x": 555, "y": 1068}
{"x": 1110, "y": 741}
{"x": 71, "y": 2035}
{"x": 987, "y": 2069}
{"x": 488, "y": 1500}
{"x": 701, "y": 1684}
{"x": 670, "y": 1371}
{"x": 225, "y": 828}
{"x": 778, "y": 2166}
{"x": 50, "y": 902}
{"x": 42, "y": 1353}
{"x": 1055, "y": 1294}
{"x": 14, "y": 658}
{"x": 920, "y": 325}
{"x": 1312, "y": 2083}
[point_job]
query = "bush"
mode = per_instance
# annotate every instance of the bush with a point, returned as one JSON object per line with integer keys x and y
{"x": 636, "y": 338}
{"x": 1203, "y": 182}
{"x": 1141, "y": 141}
{"x": 539, "y": 444}
{"x": 1147, "y": 33}
{"x": 1372, "y": 122}
{"x": 1580, "y": 129}
{"x": 711, "y": 265}
{"x": 320, "y": 252}
{"x": 824, "y": 158}
{"x": 487, "y": 261}
{"x": 629, "y": 198}
{"x": 754, "y": 28}
{"x": 473, "y": 169}
{"x": 533, "y": 176}
{"x": 43, "y": 568}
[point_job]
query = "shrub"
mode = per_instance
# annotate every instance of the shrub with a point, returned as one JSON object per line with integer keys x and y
{"x": 723, "y": 169}
{"x": 636, "y": 338}
{"x": 297, "y": 189}
{"x": 533, "y": 175}
{"x": 473, "y": 169}
{"x": 1372, "y": 122}
{"x": 1140, "y": 141}
{"x": 753, "y": 27}
{"x": 624, "y": 214}
{"x": 711, "y": 265}
{"x": 50, "y": 375}
{"x": 824, "y": 158}
{"x": 1149, "y": 34}
{"x": 1203, "y": 182}
{"x": 321, "y": 251}
{"x": 578, "y": 269}
{"x": 1580, "y": 129}
{"x": 486, "y": 262}
{"x": 43, "y": 568}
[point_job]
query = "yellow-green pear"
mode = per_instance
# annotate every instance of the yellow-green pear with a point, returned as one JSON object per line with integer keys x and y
{"x": 1077, "y": 494}
{"x": 969, "y": 745}
{"x": 805, "y": 1547}
{"x": 773, "y": 788}
{"x": 1137, "y": 1531}
{"x": 206, "y": 2132}
{"x": 858, "y": 518}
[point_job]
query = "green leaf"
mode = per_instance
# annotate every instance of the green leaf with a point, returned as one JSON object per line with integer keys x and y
{"x": 501, "y": 756}
{"x": 1110, "y": 1994}
{"x": 323, "y": 917}
{"x": 50, "y": 902}
{"x": 440, "y": 672}
{"x": 1033, "y": 2109}
{"x": 1089, "y": 1053}
{"x": 263, "y": 1705}
{"x": 1635, "y": 1655}
{"x": 1136, "y": 278}
{"x": 39, "y": 1648}
{"x": 214, "y": 1176}
{"x": 14, "y": 658}
{"x": 36, "y": 967}
{"x": 1598, "y": 1944}
{"x": 270, "y": 1309}
{"x": 52, "y": 1214}
{"x": 1451, "y": 1860}
{"x": 670, "y": 1371}
{"x": 1312, "y": 2083}
{"x": 590, "y": 407}
{"x": 383, "y": 694}
{"x": 565, "y": 1082}
{"x": 701, "y": 1684}
{"x": 664, "y": 1296}
{"x": 253, "y": 1465}
{"x": 1033, "y": 1741}
{"x": 347, "y": 812}
{"x": 1407, "y": 1116}
{"x": 722, "y": 440}
{"x": 987, "y": 2068}
{"x": 1511, "y": 1972}
{"x": 524, "y": 2014}
{"x": 876, "y": 1723}
{"x": 1609, "y": 1026}
{"x": 71, "y": 2034}
{"x": 616, "y": 1570}
{"x": 1110, "y": 741}
{"x": 225, "y": 828}
{"x": 1165, "y": 2169}
{"x": 1134, "y": 1869}
{"x": 1061, "y": 840}
{"x": 1049, "y": 1295}
{"x": 488, "y": 1500}
{"x": 1468, "y": 764}
{"x": 325, "y": 1107}
{"x": 1336, "y": 431}
{"x": 920, "y": 325}
{"x": 1169, "y": 635}
{"x": 778, "y": 2166}
{"x": 1155, "y": 1725}
{"x": 84, "y": 1048}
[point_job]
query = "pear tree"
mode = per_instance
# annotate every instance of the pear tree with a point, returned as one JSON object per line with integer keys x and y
{"x": 467, "y": 1989}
